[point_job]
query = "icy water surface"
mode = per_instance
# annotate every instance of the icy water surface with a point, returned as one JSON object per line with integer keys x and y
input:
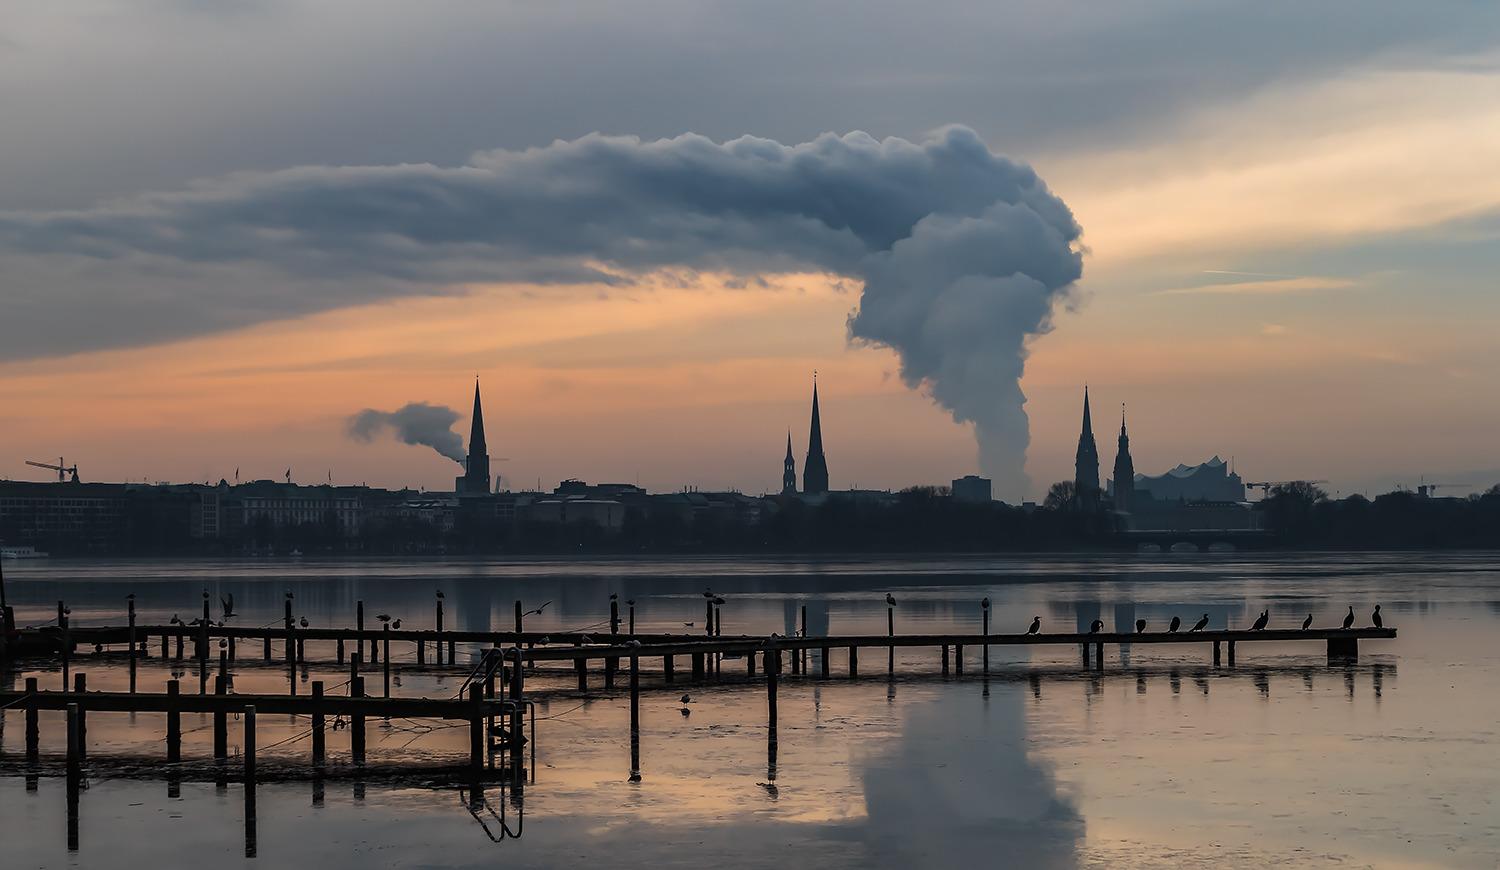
{"x": 1162, "y": 760}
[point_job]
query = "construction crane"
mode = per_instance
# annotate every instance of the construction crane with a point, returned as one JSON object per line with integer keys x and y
{"x": 1265, "y": 486}
{"x": 60, "y": 468}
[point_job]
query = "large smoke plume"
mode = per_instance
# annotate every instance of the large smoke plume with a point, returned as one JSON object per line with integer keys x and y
{"x": 963, "y": 253}
{"x": 416, "y": 423}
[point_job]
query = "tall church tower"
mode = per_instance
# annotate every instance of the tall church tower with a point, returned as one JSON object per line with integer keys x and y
{"x": 815, "y": 470}
{"x": 476, "y": 477}
{"x": 1086, "y": 465}
{"x": 789, "y": 469}
{"x": 1124, "y": 471}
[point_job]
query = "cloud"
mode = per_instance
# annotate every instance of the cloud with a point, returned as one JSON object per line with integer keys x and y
{"x": 1281, "y": 285}
{"x": 963, "y": 252}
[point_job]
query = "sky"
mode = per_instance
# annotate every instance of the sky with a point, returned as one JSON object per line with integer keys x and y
{"x": 1267, "y": 231}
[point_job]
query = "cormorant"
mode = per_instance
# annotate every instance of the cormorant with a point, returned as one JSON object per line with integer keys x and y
{"x": 1095, "y": 626}
{"x": 1307, "y": 623}
{"x": 1375, "y": 618}
{"x": 890, "y": 599}
{"x": 1176, "y": 624}
{"x": 1260, "y": 621}
{"x": 1140, "y": 626}
{"x": 1036, "y": 625}
{"x": 1200, "y": 624}
{"x": 1349, "y": 620}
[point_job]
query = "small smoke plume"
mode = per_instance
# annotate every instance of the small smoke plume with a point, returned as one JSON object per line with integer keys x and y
{"x": 417, "y": 423}
{"x": 963, "y": 253}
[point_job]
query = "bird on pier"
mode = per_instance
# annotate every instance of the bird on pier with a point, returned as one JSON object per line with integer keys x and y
{"x": 130, "y": 597}
{"x": 633, "y": 643}
{"x": 396, "y": 624}
{"x": 1095, "y": 626}
{"x": 289, "y": 594}
{"x": 1176, "y": 624}
{"x": 1349, "y": 620}
{"x": 629, "y": 602}
{"x": 546, "y": 639}
{"x": 708, "y": 592}
{"x": 1036, "y": 625}
{"x": 688, "y": 624}
{"x": 890, "y": 599}
{"x": 383, "y": 617}
{"x": 686, "y": 698}
{"x": 223, "y": 643}
{"x": 585, "y": 639}
{"x": 226, "y": 601}
{"x": 1140, "y": 626}
{"x": 1307, "y": 623}
{"x": 175, "y": 620}
{"x": 1200, "y": 624}
{"x": 985, "y": 602}
{"x": 1375, "y": 618}
{"x": 718, "y": 601}
{"x": 440, "y": 594}
{"x": 613, "y": 596}
{"x": 1260, "y": 621}
{"x": 302, "y": 622}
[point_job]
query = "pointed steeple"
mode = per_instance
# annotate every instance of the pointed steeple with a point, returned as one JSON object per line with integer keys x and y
{"x": 1124, "y": 471}
{"x": 815, "y": 470}
{"x": 789, "y": 469}
{"x": 1086, "y": 464}
{"x": 477, "y": 474}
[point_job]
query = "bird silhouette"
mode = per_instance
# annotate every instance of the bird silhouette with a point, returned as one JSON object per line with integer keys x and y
{"x": 633, "y": 643}
{"x": 984, "y": 602}
{"x": 1200, "y": 624}
{"x": 585, "y": 639}
{"x": 1036, "y": 625}
{"x": 688, "y": 624}
{"x": 686, "y": 698}
{"x": 1349, "y": 620}
{"x": 289, "y": 593}
{"x": 396, "y": 624}
{"x": 130, "y": 597}
{"x": 223, "y": 643}
{"x": 383, "y": 617}
{"x": 546, "y": 639}
{"x": 718, "y": 601}
{"x": 614, "y": 596}
{"x": 175, "y": 620}
{"x": 628, "y": 601}
{"x": 1095, "y": 626}
{"x": 226, "y": 601}
{"x": 708, "y": 592}
{"x": 538, "y": 611}
{"x": 1176, "y": 624}
{"x": 1375, "y": 618}
{"x": 1307, "y": 623}
{"x": 890, "y": 599}
{"x": 1260, "y": 621}
{"x": 440, "y": 594}
{"x": 1140, "y": 626}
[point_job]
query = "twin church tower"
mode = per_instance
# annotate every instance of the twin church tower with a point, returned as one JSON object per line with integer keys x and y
{"x": 1086, "y": 489}
{"x": 815, "y": 470}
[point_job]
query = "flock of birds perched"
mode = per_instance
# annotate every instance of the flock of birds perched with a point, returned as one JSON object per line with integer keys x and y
{"x": 1260, "y": 623}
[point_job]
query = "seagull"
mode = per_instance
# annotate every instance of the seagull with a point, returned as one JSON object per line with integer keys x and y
{"x": 538, "y": 611}
{"x": 585, "y": 639}
{"x": 708, "y": 592}
{"x": 1095, "y": 626}
{"x": 223, "y": 643}
{"x": 985, "y": 602}
{"x": 130, "y": 597}
{"x": 546, "y": 639}
{"x": 1036, "y": 625}
{"x": 1200, "y": 624}
{"x": 440, "y": 594}
{"x": 396, "y": 624}
{"x": 1140, "y": 626}
{"x": 718, "y": 602}
{"x": 227, "y": 602}
{"x": 1260, "y": 621}
{"x": 1349, "y": 620}
{"x": 1176, "y": 624}
{"x": 890, "y": 599}
{"x": 1375, "y": 618}
{"x": 289, "y": 594}
{"x": 383, "y": 617}
{"x": 175, "y": 620}
{"x": 686, "y": 698}
{"x": 303, "y": 622}
{"x": 613, "y": 596}
{"x": 633, "y": 643}
{"x": 629, "y": 601}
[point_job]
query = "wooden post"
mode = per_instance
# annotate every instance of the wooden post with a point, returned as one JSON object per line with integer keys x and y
{"x": 823, "y": 660}
{"x": 266, "y": 644}
{"x": 958, "y": 658}
{"x": 357, "y": 722}
{"x": 181, "y": 632}
{"x": 803, "y": 654}
{"x": 421, "y": 653}
{"x": 668, "y": 668}
{"x": 359, "y": 627}
{"x": 67, "y": 641}
{"x": 1099, "y": 656}
{"x": 340, "y": 651}
{"x": 354, "y": 663}
{"x": 853, "y": 661}
{"x": 796, "y": 657}
{"x": 174, "y": 723}
{"x": 33, "y": 731}
{"x": 221, "y": 724}
{"x": 697, "y": 666}
{"x": 631, "y": 604}
{"x": 437, "y": 648}
{"x": 385, "y": 654}
{"x": 773, "y": 666}
{"x": 519, "y": 617}
{"x": 250, "y": 744}
{"x": 1343, "y": 650}
{"x": 986, "y": 634}
{"x": 945, "y": 660}
{"x": 164, "y": 646}
{"x": 1216, "y": 653}
{"x": 635, "y": 693}
{"x": 80, "y": 685}
{"x": 130, "y": 638}
{"x": 581, "y": 667}
{"x": 291, "y": 642}
{"x": 610, "y": 663}
{"x": 75, "y": 742}
{"x": 890, "y": 631}
{"x": 476, "y": 727}
{"x": 319, "y": 739}
{"x": 614, "y": 615}
{"x": 1231, "y": 653}
{"x": 750, "y": 662}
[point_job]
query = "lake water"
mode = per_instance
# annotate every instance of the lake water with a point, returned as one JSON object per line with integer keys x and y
{"x": 1161, "y": 760}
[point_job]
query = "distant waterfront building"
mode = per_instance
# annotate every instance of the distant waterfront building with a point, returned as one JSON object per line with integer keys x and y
{"x": 789, "y": 469}
{"x": 476, "y": 477}
{"x": 815, "y": 470}
{"x": 1124, "y": 482}
{"x": 971, "y": 488}
{"x": 1086, "y": 464}
{"x": 1210, "y": 481}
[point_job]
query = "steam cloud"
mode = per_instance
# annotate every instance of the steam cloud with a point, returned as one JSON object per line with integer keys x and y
{"x": 963, "y": 253}
{"x": 417, "y": 423}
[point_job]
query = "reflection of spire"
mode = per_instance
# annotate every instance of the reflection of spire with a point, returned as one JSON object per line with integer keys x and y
{"x": 1086, "y": 465}
{"x": 815, "y": 470}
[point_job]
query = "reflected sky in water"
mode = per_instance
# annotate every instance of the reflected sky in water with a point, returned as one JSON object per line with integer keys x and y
{"x": 1161, "y": 761}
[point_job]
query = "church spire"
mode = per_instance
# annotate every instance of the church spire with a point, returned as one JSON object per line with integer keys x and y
{"x": 1086, "y": 464}
{"x": 1124, "y": 471}
{"x": 477, "y": 470}
{"x": 815, "y": 470}
{"x": 789, "y": 469}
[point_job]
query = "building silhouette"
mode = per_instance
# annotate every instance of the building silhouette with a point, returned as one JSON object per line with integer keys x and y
{"x": 476, "y": 477}
{"x": 1124, "y": 488}
{"x": 789, "y": 469}
{"x": 815, "y": 470}
{"x": 1086, "y": 464}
